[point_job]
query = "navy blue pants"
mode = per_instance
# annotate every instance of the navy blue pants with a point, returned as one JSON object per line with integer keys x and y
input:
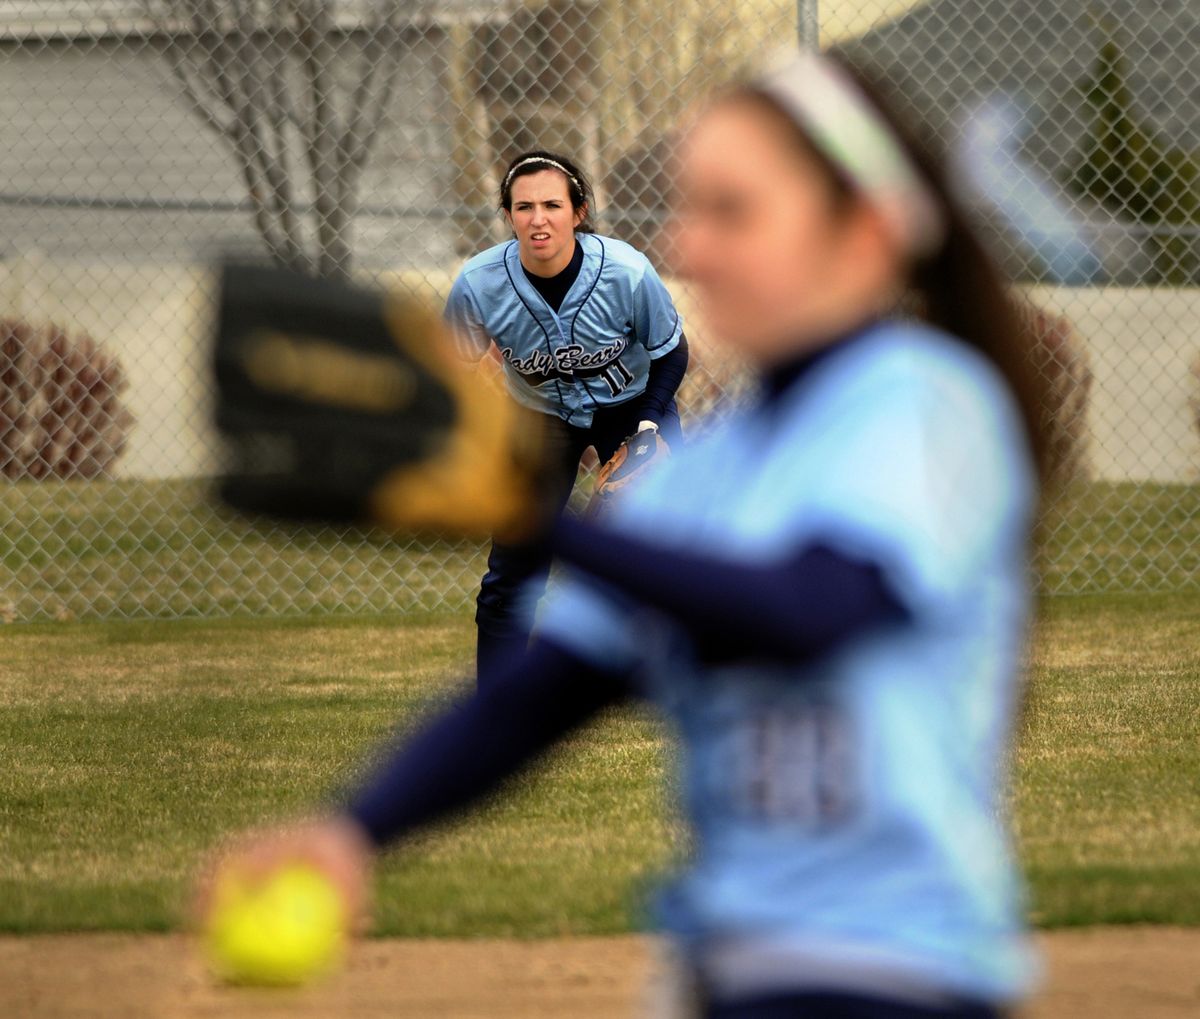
{"x": 519, "y": 572}
{"x": 842, "y": 1006}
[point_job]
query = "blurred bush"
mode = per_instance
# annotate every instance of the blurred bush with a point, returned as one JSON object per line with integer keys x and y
{"x": 61, "y": 409}
{"x": 1061, "y": 356}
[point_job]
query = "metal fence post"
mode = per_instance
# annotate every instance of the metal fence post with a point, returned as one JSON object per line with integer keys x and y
{"x": 808, "y": 21}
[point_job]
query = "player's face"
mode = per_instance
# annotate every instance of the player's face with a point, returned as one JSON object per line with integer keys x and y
{"x": 544, "y": 221}
{"x": 779, "y": 262}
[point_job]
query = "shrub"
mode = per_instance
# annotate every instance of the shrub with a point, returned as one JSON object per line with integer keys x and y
{"x": 1134, "y": 173}
{"x": 61, "y": 412}
{"x": 1060, "y": 355}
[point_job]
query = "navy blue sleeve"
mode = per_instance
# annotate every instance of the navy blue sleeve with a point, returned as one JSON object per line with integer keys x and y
{"x": 797, "y": 607}
{"x": 468, "y": 751}
{"x": 663, "y": 381}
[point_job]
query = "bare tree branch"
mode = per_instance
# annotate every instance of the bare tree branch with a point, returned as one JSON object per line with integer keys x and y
{"x": 210, "y": 71}
{"x": 369, "y": 103}
{"x": 317, "y": 49}
{"x": 178, "y": 65}
{"x": 368, "y": 106}
{"x": 222, "y": 62}
{"x": 282, "y": 103}
{"x": 468, "y": 159}
{"x": 371, "y": 59}
{"x": 269, "y": 148}
{"x": 231, "y": 66}
{"x": 280, "y": 117}
{"x": 233, "y": 62}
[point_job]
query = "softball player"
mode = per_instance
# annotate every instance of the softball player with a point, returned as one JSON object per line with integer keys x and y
{"x": 827, "y": 595}
{"x": 587, "y": 336}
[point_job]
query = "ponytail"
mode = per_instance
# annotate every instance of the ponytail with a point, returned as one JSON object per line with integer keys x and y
{"x": 953, "y": 282}
{"x": 960, "y": 290}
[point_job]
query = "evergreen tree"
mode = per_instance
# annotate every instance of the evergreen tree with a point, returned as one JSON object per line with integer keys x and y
{"x": 1129, "y": 171}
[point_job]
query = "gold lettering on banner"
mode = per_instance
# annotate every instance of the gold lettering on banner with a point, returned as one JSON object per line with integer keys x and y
{"x": 326, "y": 373}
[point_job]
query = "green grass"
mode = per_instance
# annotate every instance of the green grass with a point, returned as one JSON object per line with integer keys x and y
{"x": 1122, "y": 537}
{"x": 136, "y": 549}
{"x": 1108, "y": 790}
{"x": 126, "y": 749}
{"x": 130, "y": 549}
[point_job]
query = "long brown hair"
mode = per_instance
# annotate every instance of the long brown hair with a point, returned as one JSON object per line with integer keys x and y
{"x": 958, "y": 288}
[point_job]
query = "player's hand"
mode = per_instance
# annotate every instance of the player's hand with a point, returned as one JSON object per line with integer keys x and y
{"x": 334, "y": 845}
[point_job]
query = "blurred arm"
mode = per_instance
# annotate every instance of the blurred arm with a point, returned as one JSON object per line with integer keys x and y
{"x": 799, "y": 606}
{"x": 466, "y": 753}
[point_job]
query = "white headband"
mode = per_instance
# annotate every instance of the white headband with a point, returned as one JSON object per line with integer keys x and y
{"x": 830, "y": 108}
{"x": 549, "y": 162}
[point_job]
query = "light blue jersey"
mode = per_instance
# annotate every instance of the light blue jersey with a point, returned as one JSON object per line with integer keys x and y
{"x": 849, "y": 812}
{"x": 594, "y": 351}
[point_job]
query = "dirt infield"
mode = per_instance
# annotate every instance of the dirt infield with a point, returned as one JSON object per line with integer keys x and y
{"x": 1109, "y": 973}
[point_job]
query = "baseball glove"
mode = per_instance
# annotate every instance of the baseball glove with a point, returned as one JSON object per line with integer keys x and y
{"x": 337, "y": 403}
{"x": 633, "y": 458}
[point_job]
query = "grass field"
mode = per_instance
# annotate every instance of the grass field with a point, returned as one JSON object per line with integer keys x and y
{"x": 127, "y": 549}
{"x": 127, "y": 748}
{"x": 1106, "y": 537}
{"x": 131, "y": 549}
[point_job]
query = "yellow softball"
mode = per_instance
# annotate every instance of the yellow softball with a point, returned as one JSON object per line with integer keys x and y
{"x": 280, "y": 932}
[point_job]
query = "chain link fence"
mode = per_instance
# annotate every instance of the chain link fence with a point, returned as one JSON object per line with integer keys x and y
{"x": 365, "y": 137}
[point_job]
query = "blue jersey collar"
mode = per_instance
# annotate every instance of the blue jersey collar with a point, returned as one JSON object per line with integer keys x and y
{"x": 576, "y": 296}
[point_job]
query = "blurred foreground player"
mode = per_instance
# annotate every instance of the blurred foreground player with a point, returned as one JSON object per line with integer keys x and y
{"x": 588, "y": 338}
{"x": 827, "y": 596}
